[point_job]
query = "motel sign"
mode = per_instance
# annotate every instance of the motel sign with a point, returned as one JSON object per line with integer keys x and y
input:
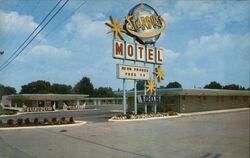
{"x": 137, "y": 52}
{"x": 144, "y": 25}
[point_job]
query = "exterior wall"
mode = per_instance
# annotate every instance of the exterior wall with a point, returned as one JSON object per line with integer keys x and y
{"x": 205, "y": 103}
{"x": 194, "y": 103}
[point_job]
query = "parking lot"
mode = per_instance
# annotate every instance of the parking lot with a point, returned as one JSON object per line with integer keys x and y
{"x": 200, "y": 136}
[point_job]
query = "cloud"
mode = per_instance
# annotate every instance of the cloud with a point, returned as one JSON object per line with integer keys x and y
{"x": 218, "y": 14}
{"x": 214, "y": 57}
{"x": 48, "y": 50}
{"x": 217, "y": 45}
{"x": 12, "y": 22}
{"x": 170, "y": 55}
{"x": 84, "y": 27}
{"x": 168, "y": 17}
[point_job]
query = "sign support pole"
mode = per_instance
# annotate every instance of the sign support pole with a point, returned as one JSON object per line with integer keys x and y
{"x": 144, "y": 90}
{"x": 135, "y": 89}
{"x": 124, "y": 98}
{"x": 155, "y": 106}
{"x": 124, "y": 104}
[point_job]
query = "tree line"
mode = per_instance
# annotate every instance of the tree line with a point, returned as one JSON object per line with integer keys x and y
{"x": 211, "y": 85}
{"x": 85, "y": 86}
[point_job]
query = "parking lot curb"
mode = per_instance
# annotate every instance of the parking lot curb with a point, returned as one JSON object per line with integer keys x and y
{"x": 214, "y": 112}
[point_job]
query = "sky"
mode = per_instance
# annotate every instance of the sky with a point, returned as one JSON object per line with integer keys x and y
{"x": 204, "y": 41}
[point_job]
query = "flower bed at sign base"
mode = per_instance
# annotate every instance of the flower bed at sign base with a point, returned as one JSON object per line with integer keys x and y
{"x": 143, "y": 116}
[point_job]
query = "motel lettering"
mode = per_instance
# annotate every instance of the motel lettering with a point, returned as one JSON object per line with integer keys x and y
{"x": 137, "y": 52}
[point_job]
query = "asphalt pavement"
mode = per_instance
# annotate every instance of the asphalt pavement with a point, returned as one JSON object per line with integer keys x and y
{"x": 220, "y": 135}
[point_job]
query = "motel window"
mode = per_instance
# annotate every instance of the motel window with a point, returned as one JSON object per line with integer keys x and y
{"x": 217, "y": 98}
{"x": 183, "y": 97}
{"x": 245, "y": 99}
{"x": 232, "y": 98}
{"x": 222, "y": 99}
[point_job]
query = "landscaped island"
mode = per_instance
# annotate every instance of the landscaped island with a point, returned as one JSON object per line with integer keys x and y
{"x": 36, "y": 122}
{"x": 143, "y": 116}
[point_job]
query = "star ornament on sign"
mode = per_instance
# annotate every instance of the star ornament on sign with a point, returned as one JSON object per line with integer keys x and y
{"x": 159, "y": 74}
{"x": 150, "y": 87}
{"x": 116, "y": 27}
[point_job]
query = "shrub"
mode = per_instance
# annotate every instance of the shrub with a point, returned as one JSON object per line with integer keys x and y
{"x": 27, "y": 121}
{"x": 1, "y": 122}
{"x": 71, "y": 120}
{"x": 45, "y": 120}
{"x": 128, "y": 116}
{"x": 171, "y": 113}
{"x": 53, "y": 119}
{"x": 19, "y": 121}
{"x": 36, "y": 120}
{"x": 63, "y": 119}
{"x": 10, "y": 122}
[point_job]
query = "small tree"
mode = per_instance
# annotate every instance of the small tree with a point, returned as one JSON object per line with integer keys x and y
{"x": 140, "y": 85}
{"x": 71, "y": 120}
{"x": 19, "y": 121}
{"x": 45, "y": 120}
{"x": 232, "y": 87}
{"x": 174, "y": 85}
{"x": 84, "y": 86}
{"x": 36, "y": 87}
{"x": 53, "y": 119}
{"x": 36, "y": 121}
{"x": 10, "y": 122}
{"x": 213, "y": 85}
{"x": 27, "y": 121}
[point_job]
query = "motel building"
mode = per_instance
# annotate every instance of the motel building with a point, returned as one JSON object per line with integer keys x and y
{"x": 54, "y": 102}
{"x": 171, "y": 99}
{"x": 192, "y": 100}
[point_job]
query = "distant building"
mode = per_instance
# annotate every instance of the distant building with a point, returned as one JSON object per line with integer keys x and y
{"x": 194, "y": 100}
{"x": 51, "y": 102}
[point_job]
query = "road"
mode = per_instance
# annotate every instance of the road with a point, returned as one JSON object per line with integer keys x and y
{"x": 224, "y": 135}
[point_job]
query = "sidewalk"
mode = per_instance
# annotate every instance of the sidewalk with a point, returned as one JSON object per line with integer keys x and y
{"x": 214, "y": 111}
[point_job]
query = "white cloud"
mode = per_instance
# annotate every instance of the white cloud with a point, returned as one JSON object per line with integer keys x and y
{"x": 84, "y": 27}
{"x": 170, "y": 55}
{"x": 216, "y": 13}
{"x": 13, "y": 22}
{"x": 168, "y": 17}
{"x": 214, "y": 57}
{"x": 216, "y": 44}
{"x": 48, "y": 50}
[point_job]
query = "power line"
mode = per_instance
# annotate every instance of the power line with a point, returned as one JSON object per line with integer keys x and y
{"x": 60, "y": 23}
{"x": 31, "y": 34}
{"x": 3, "y": 67}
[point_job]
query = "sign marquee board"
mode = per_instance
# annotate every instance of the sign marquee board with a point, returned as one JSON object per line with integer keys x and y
{"x": 132, "y": 72}
{"x": 137, "y": 52}
{"x": 148, "y": 99}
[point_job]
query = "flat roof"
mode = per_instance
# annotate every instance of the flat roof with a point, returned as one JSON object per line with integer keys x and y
{"x": 181, "y": 91}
